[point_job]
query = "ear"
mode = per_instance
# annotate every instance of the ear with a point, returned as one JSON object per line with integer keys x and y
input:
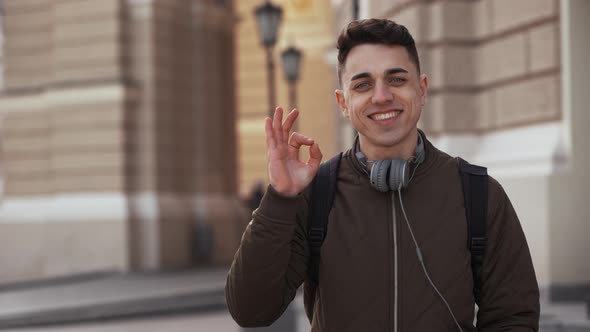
{"x": 341, "y": 100}
{"x": 423, "y": 88}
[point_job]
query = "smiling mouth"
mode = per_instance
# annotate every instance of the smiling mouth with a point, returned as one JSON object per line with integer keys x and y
{"x": 385, "y": 116}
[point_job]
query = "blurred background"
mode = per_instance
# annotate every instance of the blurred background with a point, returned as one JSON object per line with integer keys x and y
{"x": 133, "y": 152}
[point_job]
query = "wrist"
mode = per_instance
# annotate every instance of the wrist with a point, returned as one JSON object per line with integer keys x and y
{"x": 278, "y": 208}
{"x": 282, "y": 192}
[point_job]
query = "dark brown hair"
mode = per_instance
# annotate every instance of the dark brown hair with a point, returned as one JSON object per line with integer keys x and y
{"x": 374, "y": 31}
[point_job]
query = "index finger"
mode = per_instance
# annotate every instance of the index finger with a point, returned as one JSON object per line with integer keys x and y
{"x": 296, "y": 141}
{"x": 271, "y": 142}
{"x": 288, "y": 125}
{"x": 277, "y": 125}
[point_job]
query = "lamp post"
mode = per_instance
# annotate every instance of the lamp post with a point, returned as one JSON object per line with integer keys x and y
{"x": 268, "y": 17}
{"x": 355, "y": 9}
{"x": 291, "y": 58}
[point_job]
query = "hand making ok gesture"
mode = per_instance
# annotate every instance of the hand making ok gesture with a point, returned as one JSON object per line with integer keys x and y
{"x": 288, "y": 175}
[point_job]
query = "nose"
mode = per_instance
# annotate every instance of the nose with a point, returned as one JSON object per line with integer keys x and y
{"x": 381, "y": 93}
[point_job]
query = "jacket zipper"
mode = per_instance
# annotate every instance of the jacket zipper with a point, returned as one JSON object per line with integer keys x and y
{"x": 395, "y": 264}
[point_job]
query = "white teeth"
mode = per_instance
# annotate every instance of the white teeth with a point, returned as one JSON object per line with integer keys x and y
{"x": 384, "y": 116}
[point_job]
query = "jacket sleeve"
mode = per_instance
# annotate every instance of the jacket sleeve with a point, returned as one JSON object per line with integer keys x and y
{"x": 270, "y": 263}
{"x": 510, "y": 294}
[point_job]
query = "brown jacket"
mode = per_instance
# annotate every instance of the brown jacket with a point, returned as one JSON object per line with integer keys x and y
{"x": 370, "y": 277}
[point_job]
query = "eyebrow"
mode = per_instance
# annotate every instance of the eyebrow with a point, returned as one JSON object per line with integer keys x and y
{"x": 390, "y": 71}
{"x": 359, "y": 76}
{"x": 395, "y": 71}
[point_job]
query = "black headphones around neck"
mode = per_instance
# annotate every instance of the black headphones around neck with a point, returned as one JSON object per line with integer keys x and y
{"x": 391, "y": 174}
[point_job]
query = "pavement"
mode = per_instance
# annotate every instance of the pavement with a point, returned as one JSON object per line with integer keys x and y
{"x": 564, "y": 317}
{"x": 112, "y": 295}
{"x": 200, "y": 322}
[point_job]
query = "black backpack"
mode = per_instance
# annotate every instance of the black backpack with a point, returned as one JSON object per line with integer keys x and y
{"x": 475, "y": 192}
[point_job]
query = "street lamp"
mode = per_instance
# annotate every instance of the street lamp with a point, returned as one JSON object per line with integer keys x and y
{"x": 268, "y": 17}
{"x": 291, "y": 58}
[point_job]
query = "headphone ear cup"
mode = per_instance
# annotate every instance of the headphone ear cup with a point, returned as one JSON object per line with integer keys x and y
{"x": 379, "y": 175}
{"x": 398, "y": 174}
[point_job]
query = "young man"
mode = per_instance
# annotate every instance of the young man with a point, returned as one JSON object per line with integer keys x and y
{"x": 372, "y": 276}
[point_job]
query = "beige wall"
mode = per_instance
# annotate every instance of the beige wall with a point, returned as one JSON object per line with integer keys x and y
{"x": 63, "y": 104}
{"x": 62, "y": 107}
{"x": 492, "y": 63}
{"x": 553, "y": 206}
{"x": 66, "y": 247}
{"x": 569, "y": 209}
{"x": 1, "y": 53}
{"x": 118, "y": 134}
{"x": 308, "y": 26}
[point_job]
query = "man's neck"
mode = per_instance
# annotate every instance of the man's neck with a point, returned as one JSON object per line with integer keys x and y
{"x": 405, "y": 149}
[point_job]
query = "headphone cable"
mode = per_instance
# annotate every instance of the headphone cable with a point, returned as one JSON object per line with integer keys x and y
{"x": 421, "y": 259}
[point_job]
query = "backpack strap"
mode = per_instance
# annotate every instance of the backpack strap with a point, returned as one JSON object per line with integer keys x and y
{"x": 323, "y": 188}
{"x": 475, "y": 194}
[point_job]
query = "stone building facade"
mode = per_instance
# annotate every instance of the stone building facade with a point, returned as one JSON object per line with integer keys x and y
{"x": 118, "y": 136}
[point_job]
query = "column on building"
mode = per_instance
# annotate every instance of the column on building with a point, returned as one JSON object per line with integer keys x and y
{"x": 183, "y": 171}
{"x": 567, "y": 196}
{"x": 1, "y": 47}
{"x": 118, "y": 136}
{"x": 345, "y": 11}
{"x": 1, "y": 89}
{"x": 62, "y": 106}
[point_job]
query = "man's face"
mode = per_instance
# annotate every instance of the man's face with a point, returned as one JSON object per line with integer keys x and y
{"x": 382, "y": 95}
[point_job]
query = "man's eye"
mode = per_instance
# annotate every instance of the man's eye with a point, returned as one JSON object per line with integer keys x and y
{"x": 397, "y": 80}
{"x": 362, "y": 85}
